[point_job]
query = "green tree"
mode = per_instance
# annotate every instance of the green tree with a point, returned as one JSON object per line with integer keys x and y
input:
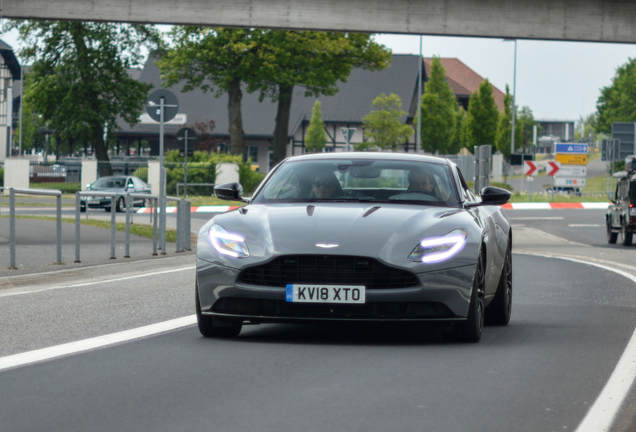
{"x": 270, "y": 61}
{"x": 314, "y": 60}
{"x": 316, "y": 137}
{"x": 526, "y": 122}
{"x": 617, "y": 102}
{"x": 482, "y": 118}
{"x": 383, "y": 128}
{"x": 439, "y": 111}
{"x": 502, "y": 139}
{"x": 458, "y": 142}
{"x": 80, "y": 84}
{"x": 215, "y": 59}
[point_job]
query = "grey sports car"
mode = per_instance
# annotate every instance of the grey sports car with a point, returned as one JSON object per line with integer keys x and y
{"x": 357, "y": 237}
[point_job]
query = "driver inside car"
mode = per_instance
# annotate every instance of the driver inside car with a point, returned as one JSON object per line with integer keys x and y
{"x": 421, "y": 180}
{"x": 325, "y": 185}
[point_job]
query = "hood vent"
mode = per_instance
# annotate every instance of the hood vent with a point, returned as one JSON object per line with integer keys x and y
{"x": 371, "y": 210}
{"x": 310, "y": 210}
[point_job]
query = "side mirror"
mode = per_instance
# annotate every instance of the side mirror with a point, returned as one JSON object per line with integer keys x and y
{"x": 491, "y": 195}
{"x": 88, "y": 185}
{"x": 229, "y": 192}
{"x": 131, "y": 186}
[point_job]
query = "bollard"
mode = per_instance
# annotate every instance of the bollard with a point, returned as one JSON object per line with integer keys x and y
{"x": 154, "y": 227}
{"x": 12, "y": 229}
{"x": 179, "y": 215}
{"x": 188, "y": 215}
{"x": 78, "y": 203}
{"x": 113, "y": 221}
{"x": 59, "y": 229}
{"x": 162, "y": 224}
{"x": 128, "y": 217}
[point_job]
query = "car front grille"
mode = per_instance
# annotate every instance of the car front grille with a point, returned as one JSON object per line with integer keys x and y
{"x": 371, "y": 311}
{"x": 327, "y": 269}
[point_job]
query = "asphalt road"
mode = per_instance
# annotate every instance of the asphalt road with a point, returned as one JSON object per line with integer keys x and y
{"x": 571, "y": 324}
{"x": 541, "y": 373}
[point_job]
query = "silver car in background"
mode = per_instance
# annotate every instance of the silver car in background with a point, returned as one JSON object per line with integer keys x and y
{"x": 368, "y": 237}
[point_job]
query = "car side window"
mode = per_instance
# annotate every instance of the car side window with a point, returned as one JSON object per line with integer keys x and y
{"x": 622, "y": 189}
{"x": 467, "y": 194}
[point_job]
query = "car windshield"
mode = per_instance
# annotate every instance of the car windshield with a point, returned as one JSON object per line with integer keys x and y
{"x": 110, "y": 183}
{"x": 390, "y": 181}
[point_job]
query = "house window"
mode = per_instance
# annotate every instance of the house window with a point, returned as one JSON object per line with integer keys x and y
{"x": 251, "y": 152}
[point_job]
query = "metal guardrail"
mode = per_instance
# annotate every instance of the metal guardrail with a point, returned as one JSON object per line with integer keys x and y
{"x": 193, "y": 184}
{"x": 183, "y": 221}
{"x": 41, "y": 192}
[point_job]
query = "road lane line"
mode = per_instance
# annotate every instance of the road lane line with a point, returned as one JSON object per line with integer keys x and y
{"x": 585, "y": 225}
{"x": 603, "y": 412}
{"x": 538, "y": 218}
{"x": 96, "y": 282}
{"x": 554, "y": 237}
{"x": 30, "y": 357}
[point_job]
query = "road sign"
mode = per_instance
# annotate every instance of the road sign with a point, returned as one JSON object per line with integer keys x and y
{"x": 179, "y": 119}
{"x": 571, "y": 159}
{"x": 568, "y": 182}
{"x": 170, "y": 105}
{"x": 571, "y": 148}
{"x": 529, "y": 168}
{"x": 553, "y": 168}
{"x": 576, "y": 171}
{"x": 348, "y": 134}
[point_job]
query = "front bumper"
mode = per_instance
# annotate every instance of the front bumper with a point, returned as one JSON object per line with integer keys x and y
{"x": 443, "y": 295}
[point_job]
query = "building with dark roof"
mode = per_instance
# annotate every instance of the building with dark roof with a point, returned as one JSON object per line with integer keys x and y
{"x": 344, "y": 109}
{"x": 9, "y": 72}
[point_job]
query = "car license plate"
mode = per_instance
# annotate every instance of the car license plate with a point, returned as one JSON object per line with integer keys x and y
{"x": 325, "y": 293}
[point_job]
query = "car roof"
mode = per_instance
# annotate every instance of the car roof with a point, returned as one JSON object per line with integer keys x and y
{"x": 370, "y": 155}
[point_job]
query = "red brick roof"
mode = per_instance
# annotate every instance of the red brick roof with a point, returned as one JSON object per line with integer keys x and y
{"x": 463, "y": 80}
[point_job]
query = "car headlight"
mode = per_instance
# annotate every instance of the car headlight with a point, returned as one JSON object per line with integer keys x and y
{"x": 226, "y": 243}
{"x": 437, "y": 249}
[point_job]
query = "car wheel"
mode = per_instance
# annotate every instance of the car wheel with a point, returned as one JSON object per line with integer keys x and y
{"x": 626, "y": 234}
{"x": 107, "y": 209}
{"x": 82, "y": 209}
{"x": 499, "y": 310}
{"x": 121, "y": 205}
{"x": 611, "y": 236}
{"x": 209, "y": 329}
{"x": 471, "y": 329}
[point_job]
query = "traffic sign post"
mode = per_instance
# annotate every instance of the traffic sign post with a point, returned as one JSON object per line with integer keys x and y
{"x": 530, "y": 168}
{"x": 348, "y": 134}
{"x": 186, "y": 135}
{"x": 162, "y": 106}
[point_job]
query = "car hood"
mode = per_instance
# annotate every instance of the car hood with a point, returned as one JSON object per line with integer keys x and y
{"x": 388, "y": 232}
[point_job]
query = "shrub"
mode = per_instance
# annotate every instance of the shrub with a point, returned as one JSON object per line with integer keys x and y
{"x": 142, "y": 173}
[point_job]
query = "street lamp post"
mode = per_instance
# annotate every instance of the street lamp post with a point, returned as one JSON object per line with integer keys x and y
{"x": 514, "y": 106}
{"x": 418, "y": 133}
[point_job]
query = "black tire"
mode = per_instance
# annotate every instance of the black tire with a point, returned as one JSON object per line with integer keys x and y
{"x": 208, "y": 328}
{"x": 107, "y": 209}
{"x": 82, "y": 209}
{"x": 611, "y": 236}
{"x": 120, "y": 206}
{"x": 471, "y": 329}
{"x": 626, "y": 234}
{"x": 499, "y": 310}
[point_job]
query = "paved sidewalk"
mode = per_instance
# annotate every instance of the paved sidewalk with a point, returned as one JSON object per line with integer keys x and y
{"x": 36, "y": 249}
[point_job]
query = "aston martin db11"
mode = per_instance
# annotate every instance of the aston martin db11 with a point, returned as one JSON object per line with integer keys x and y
{"x": 370, "y": 237}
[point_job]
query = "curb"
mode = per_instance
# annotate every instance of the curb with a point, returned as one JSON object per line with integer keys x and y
{"x": 558, "y": 206}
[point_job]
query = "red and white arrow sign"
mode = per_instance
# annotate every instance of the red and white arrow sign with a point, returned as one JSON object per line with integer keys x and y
{"x": 529, "y": 168}
{"x": 553, "y": 168}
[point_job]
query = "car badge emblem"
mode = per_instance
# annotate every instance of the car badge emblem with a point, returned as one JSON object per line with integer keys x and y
{"x": 327, "y": 245}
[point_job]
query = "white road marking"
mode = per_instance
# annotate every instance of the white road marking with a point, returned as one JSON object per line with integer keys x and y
{"x": 556, "y": 237}
{"x": 604, "y": 410}
{"x": 94, "y": 343}
{"x": 538, "y": 218}
{"x": 585, "y": 225}
{"x": 96, "y": 282}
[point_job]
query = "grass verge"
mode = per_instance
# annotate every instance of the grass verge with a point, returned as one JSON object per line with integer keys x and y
{"x": 136, "y": 229}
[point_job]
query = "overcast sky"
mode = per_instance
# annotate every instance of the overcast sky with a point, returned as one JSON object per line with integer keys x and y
{"x": 557, "y": 80}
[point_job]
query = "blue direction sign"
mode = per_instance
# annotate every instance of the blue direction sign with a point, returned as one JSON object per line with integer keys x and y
{"x": 571, "y": 148}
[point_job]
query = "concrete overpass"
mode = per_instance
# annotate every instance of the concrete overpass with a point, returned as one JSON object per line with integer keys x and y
{"x": 574, "y": 20}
